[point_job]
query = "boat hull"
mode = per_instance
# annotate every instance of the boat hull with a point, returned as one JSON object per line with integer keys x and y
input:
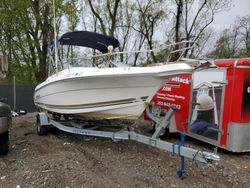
{"x": 102, "y": 93}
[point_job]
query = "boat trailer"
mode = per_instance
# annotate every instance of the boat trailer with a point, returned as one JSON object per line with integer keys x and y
{"x": 43, "y": 121}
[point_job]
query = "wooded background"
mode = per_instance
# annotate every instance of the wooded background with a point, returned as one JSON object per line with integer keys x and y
{"x": 26, "y": 29}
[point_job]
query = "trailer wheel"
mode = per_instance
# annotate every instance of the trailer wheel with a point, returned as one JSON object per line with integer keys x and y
{"x": 4, "y": 143}
{"x": 41, "y": 130}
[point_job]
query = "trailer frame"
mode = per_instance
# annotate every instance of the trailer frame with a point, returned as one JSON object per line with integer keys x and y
{"x": 43, "y": 121}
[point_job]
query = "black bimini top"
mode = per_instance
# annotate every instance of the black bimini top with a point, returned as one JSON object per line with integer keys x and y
{"x": 89, "y": 39}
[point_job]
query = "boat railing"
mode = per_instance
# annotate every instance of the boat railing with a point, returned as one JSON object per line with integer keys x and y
{"x": 168, "y": 47}
{"x": 165, "y": 52}
{"x": 162, "y": 54}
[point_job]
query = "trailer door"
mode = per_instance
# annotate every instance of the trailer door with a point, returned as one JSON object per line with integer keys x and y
{"x": 205, "y": 124}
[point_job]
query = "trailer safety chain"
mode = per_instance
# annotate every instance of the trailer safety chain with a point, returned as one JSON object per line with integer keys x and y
{"x": 200, "y": 152}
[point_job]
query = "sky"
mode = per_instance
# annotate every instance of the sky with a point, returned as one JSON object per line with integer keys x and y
{"x": 225, "y": 19}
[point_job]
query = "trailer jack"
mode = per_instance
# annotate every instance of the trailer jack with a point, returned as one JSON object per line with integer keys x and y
{"x": 43, "y": 121}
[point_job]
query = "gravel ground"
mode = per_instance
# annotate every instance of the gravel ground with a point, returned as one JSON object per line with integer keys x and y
{"x": 60, "y": 159}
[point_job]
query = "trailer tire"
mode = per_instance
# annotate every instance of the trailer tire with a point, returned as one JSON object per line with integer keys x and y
{"x": 41, "y": 130}
{"x": 4, "y": 143}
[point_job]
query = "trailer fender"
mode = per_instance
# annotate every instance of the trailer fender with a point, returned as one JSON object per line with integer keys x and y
{"x": 42, "y": 123}
{"x": 42, "y": 119}
{"x": 4, "y": 125}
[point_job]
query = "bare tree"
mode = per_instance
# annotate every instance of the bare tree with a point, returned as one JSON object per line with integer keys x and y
{"x": 177, "y": 27}
{"x": 136, "y": 24}
{"x": 243, "y": 25}
{"x": 193, "y": 18}
{"x": 227, "y": 45}
{"x": 234, "y": 41}
{"x": 107, "y": 19}
{"x": 150, "y": 14}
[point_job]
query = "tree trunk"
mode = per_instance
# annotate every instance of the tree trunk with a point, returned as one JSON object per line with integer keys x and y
{"x": 179, "y": 10}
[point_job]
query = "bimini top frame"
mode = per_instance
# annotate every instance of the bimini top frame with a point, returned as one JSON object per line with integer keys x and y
{"x": 89, "y": 39}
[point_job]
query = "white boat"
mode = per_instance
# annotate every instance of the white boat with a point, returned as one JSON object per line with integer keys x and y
{"x": 115, "y": 92}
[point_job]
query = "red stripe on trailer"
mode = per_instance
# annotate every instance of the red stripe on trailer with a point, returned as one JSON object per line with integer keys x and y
{"x": 232, "y": 62}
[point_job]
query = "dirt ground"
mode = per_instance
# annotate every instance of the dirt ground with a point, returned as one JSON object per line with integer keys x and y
{"x": 60, "y": 159}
